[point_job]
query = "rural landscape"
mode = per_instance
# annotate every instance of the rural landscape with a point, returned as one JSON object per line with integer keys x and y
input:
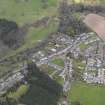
{"x": 52, "y": 52}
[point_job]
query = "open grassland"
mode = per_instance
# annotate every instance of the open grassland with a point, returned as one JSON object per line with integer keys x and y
{"x": 87, "y": 94}
{"x": 29, "y": 11}
{"x": 34, "y": 36}
{"x": 24, "y": 11}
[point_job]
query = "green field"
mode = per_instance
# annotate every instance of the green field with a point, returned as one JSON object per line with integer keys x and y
{"x": 25, "y": 11}
{"x": 87, "y": 94}
{"x": 29, "y": 11}
{"x": 58, "y": 61}
{"x": 35, "y": 35}
{"x": 83, "y": 46}
{"x": 22, "y": 90}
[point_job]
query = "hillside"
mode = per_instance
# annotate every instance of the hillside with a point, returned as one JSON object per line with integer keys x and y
{"x": 50, "y": 34}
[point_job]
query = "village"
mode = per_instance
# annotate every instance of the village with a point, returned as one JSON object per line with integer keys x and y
{"x": 52, "y": 52}
{"x": 93, "y": 54}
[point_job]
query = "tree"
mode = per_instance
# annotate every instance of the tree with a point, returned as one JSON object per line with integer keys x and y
{"x": 44, "y": 3}
{"x": 10, "y": 33}
{"x": 70, "y": 17}
{"x": 43, "y": 90}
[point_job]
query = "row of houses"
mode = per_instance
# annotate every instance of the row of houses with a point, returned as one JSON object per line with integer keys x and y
{"x": 92, "y": 78}
{"x": 14, "y": 77}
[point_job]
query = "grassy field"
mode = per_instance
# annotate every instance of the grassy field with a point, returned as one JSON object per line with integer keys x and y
{"x": 48, "y": 70}
{"x": 58, "y": 61}
{"x": 20, "y": 92}
{"x": 83, "y": 46}
{"x": 34, "y": 36}
{"x": 87, "y": 94}
{"x": 38, "y": 34}
{"x": 23, "y": 11}
{"x": 29, "y": 11}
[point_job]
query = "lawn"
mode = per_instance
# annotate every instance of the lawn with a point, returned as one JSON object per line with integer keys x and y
{"x": 87, "y": 94}
{"x": 48, "y": 70}
{"x": 83, "y": 46}
{"x": 79, "y": 65}
{"x": 58, "y": 61}
{"x": 38, "y": 34}
{"x": 58, "y": 79}
{"x": 22, "y": 90}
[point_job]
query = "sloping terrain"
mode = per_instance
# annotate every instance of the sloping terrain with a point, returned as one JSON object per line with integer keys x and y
{"x": 39, "y": 19}
{"x": 30, "y": 16}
